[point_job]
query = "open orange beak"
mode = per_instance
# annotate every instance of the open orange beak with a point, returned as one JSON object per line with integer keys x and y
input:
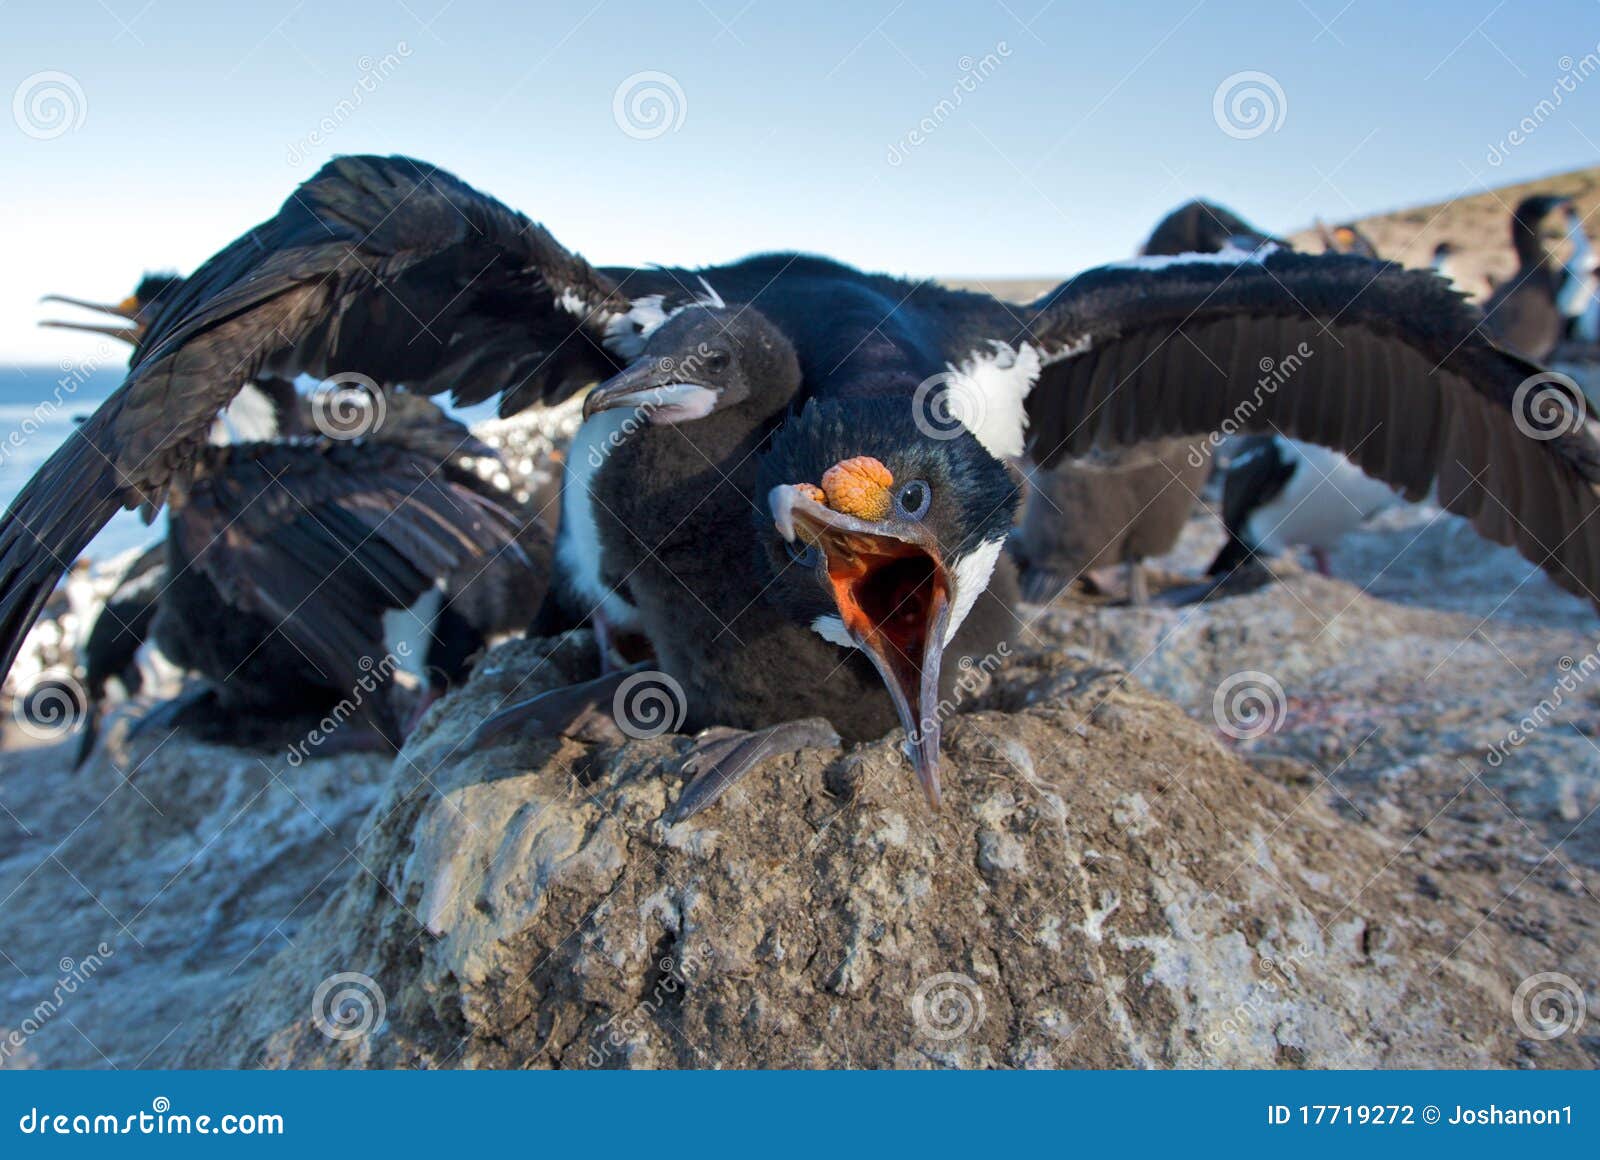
{"x": 887, "y": 578}
{"x": 127, "y": 309}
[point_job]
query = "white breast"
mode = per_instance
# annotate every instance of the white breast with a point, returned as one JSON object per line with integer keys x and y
{"x": 578, "y": 543}
{"x": 1326, "y": 497}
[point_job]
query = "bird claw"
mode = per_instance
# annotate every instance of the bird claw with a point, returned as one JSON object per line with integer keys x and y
{"x": 721, "y": 757}
{"x": 581, "y": 711}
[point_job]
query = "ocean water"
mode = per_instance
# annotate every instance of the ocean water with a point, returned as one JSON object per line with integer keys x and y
{"x": 39, "y": 406}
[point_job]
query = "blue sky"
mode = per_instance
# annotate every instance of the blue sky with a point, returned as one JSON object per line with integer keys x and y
{"x": 181, "y": 123}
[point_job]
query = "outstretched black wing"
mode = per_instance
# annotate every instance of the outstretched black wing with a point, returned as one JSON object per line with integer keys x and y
{"x": 324, "y": 538}
{"x": 386, "y": 268}
{"x": 1386, "y": 365}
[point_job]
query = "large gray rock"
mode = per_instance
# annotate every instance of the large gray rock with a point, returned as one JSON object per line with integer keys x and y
{"x": 1124, "y": 874}
{"x": 1108, "y": 886}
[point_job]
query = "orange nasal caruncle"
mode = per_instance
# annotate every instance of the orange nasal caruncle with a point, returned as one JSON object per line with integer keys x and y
{"x": 859, "y": 487}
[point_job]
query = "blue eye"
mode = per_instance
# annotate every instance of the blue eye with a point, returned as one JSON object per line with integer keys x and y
{"x": 802, "y": 553}
{"x": 914, "y": 499}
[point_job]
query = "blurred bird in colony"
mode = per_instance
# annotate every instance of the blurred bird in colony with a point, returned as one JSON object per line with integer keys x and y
{"x": 1529, "y": 312}
{"x": 314, "y": 535}
{"x": 876, "y": 544}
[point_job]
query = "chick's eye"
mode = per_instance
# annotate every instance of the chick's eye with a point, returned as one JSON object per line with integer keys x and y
{"x": 802, "y": 553}
{"x": 913, "y": 499}
{"x": 716, "y": 361}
